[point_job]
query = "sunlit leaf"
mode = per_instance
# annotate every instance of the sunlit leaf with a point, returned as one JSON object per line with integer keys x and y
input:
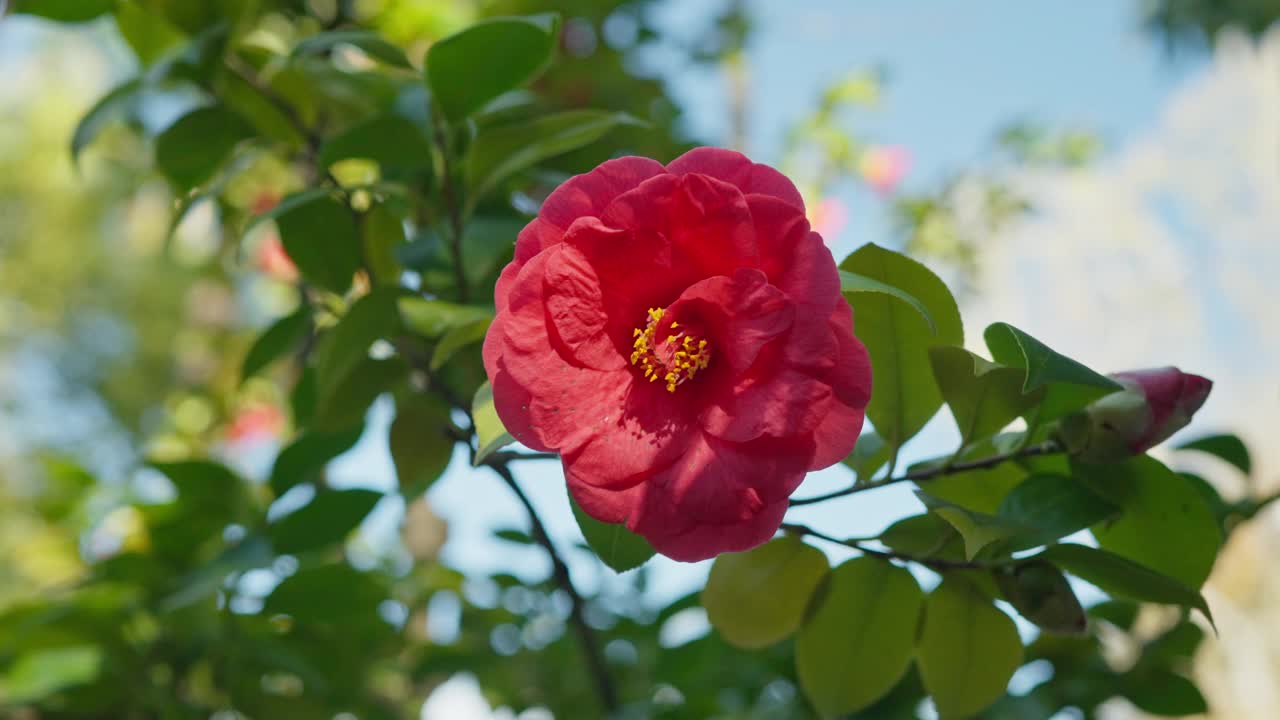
{"x": 904, "y": 394}
{"x": 35, "y": 675}
{"x": 613, "y": 543}
{"x": 1069, "y": 386}
{"x": 968, "y": 650}
{"x": 468, "y": 69}
{"x": 983, "y": 397}
{"x": 857, "y": 639}
{"x": 758, "y": 597}
{"x": 112, "y": 107}
{"x": 491, "y": 434}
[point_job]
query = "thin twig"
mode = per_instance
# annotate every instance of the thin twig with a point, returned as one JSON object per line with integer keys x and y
{"x": 560, "y": 573}
{"x": 451, "y": 204}
{"x": 505, "y": 456}
{"x": 929, "y": 473}
{"x": 857, "y": 544}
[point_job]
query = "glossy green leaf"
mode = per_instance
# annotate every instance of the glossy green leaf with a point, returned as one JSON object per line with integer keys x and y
{"x": 851, "y": 283}
{"x": 869, "y": 454}
{"x": 470, "y": 68}
{"x": 1227, "y": 447}
{"x": 926, "y": 535}
{"x": 512, "y": 535}
{"x": 148, "y": 34}
{"x": 1165, "y": 523}
{"x": 70, "y": 11}
{"x": 977, "y": 529}
{"x": 758, "y": 597}
{"x": 1041, "y": 594}
{"x": 857, "y": 640}
{"x": 371, "y": 43}
{"x": 346, "y": 345}
{"x": 1162, "y": 692}
{"x": 345, "y": 403}
{"x": 613, "y": 543}
{"x": 391, "y": 140}
{"x": 1050, "y": 507}
{"x": 968, "y": 650}
{"x": 456, "y": 339}
{"x": 1122, "y": 577}
{"x": 326, "y": 520}
{"x": 491, "y": 435}
{"x": 35, "y": 675}
{"x": 1069, "y": 386}
{"x": 276, "y": 341}
{"x": 498, "y": 153}
{"x": 980, "y": 490}
{"x": 335, "y": 594}
{"x": 421, "y": 446}
{"x": 904, "y": 394}
{"x": 383, "y": 232}
{"x": 191, "y": 150}
{"x": 112, "y": 107}
{"x": 303, "y": 459}
{"x": 983, "y": 397}
{"x": 268, "y": 118}
{"x": 433, "y": 318}
{"x": 319, "y": 234}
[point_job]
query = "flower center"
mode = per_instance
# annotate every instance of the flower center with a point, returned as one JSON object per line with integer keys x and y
{"x": 676, "y": 359}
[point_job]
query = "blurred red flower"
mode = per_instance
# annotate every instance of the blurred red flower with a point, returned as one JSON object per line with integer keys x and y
{"x": 678, "y": 335}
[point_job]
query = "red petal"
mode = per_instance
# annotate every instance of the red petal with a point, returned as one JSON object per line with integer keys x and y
{"x": 719, "y": 497}
{"x": 736, "y": 169}
{"x": 742, "y": 313}
{"x": 564, "y": 400}
{"x": 605, "y": 505}
{"x": 589, "y": 194}
{"x": 706, "y": 222}
{"x": 768, "y": 401}
{"x": 850, "y": 380}
{"x": 575, "y": 304}
{"x": 647, "y": 430}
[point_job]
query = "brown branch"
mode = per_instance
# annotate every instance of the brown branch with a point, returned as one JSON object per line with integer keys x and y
{"x": 930, "y": 473}
{"x": 857, "y": 544}
{"x": 560, "y": 573}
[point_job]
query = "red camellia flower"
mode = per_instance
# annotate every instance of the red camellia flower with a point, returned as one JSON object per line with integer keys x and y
{"x": 678, "y": 335}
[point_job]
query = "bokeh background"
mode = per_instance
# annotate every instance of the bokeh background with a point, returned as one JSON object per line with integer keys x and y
{"x": 1106, "y": 174}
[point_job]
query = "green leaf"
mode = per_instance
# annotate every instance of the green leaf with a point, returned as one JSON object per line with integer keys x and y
{"x": 898, "y": 337}
{"x": 421, "y": 446}
{"x": 114, "y": 106}
{"x": 1041, "y": 594}
{"x": 346, "y": 345}
{"x": 204, "y": 581}
{"x": 491, "y": 434}
{"x": 613, "y": 543}
{"x": 306, "y": 456}
{"x": 319, "y": 234}
{"x": 1165, "y": 523}
{"x": 977, "y": 529}
{"x": 984, "y": 397}
{"x": 869, "y": 455}
{"x": 389, "y": 139}
{"x": 1162, "y": 692}
{"x": 433, "y": 318}
{"x": 1050, "y": 507}
{"x": 147, "y": 33}
{"x": 968, "y": 649}
{"x": 1122, "y": 577}
{"x": 276, "y": 341}
{"x": 191, "y": 150}
{"x": 1121, "y": 613}
{"x": 345, "y": 404}
{"x": 857, "y": 640}
{"x": 248, "y": 100}
{"x": 36, "y": 675}
{"x": 981, "y": 490}
{"x": 326, "y": 520}
{"x": 758, "y": 597}
{"x": 371, "y": 43}
{"x": 458, "y": 338}
{"x": 1178, "y": 644}
{"x": 926, "y": 535}
{"x": 328, "y": 594}
{"x": 512, "y": 535}
{"x": 69, "y": 11}
{"x": 498, "y": 153}
{"x": 468, "y": 69}
{"x": 383, "y": 236}
{"x": 1070, "y": 385}
{"x": 851, "y": 283}
{"x": 1227, "y": 447}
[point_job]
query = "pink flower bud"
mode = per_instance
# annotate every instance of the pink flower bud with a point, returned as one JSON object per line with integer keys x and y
{"x": 1153, "y": 405}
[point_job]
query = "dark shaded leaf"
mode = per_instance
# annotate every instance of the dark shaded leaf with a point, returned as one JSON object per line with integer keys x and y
{"x": 421, "y": 446}
{"x": 191, "y": 150}
{"x": 613, "y": 543}
{"x": 1041, "y": 594}
{"x": 319, "y": 234}
{"x": 372, "y": 44}
{"x": 1122, "y": 577}
{"x": 306, "y": 456}
{"x": 1227, "y": 447}
{"x": 276, "y": 341}
{"x": 327, "y": 519}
